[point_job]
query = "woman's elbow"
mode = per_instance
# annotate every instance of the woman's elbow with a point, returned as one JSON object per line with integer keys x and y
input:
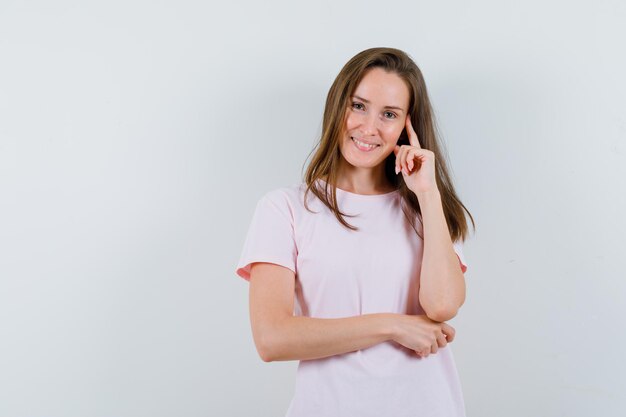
{"x": 443, "y": 310}
{"x": 264, "y": 355}
{"x": 264, "y": 349}
{"x": 442, "y": 314}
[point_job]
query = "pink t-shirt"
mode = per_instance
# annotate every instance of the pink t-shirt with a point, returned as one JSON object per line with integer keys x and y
{"x": 343, "y": 273}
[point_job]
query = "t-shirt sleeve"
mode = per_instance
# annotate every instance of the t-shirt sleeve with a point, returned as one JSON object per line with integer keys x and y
{"x": 270, "y": 236}
{"x": 458, "y": 248}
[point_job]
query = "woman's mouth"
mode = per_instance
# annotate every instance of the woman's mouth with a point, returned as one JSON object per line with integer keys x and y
{"x": 362, "y": 146}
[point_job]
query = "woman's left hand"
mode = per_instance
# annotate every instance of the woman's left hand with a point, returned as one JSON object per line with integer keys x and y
{"x": 417, "y": 164}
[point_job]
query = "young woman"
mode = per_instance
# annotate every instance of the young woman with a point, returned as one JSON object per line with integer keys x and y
{"x": 362, "y": 304}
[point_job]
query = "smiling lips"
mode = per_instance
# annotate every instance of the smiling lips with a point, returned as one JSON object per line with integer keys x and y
{"x": 364, "y": 146}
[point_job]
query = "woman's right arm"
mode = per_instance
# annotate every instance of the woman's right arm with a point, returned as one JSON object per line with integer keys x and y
{"x": 281, "y": 336}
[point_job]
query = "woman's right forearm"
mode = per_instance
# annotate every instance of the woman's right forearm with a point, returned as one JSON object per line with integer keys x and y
{"x": 302, "y": 338}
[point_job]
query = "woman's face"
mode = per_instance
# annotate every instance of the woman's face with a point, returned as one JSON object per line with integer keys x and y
{"x": 375, "y": 119}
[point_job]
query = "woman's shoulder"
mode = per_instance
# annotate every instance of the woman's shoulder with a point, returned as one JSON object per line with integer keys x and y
{"x": 289, "y": 195}
{"x": 292, "y": 197}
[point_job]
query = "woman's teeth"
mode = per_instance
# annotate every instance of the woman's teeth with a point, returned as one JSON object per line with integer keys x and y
{"x": 363, "y": 144}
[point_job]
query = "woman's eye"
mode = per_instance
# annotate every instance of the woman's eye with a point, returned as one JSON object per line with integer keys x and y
{"x": 356, "y": 104}
{"x": 393, "y": 116}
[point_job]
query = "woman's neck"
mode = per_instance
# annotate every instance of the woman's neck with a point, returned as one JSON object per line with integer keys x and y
{"x": 363, "y": 181}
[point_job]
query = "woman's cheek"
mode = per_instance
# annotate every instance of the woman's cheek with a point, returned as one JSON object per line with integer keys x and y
{"x": 397, "y": 131}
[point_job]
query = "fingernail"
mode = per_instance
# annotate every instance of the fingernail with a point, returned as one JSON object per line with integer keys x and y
{"x": 397, "y": 170}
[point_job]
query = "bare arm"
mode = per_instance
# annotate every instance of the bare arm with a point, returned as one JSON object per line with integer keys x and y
{"x": 281, "y": 336}
{"x": 442, "y": 284}
{"x": 304, "y": 338}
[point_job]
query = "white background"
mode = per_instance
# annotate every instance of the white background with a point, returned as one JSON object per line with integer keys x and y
{"x": 137, "y": 136}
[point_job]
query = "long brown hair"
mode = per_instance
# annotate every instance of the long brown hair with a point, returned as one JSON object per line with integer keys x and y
{"x": 325, "y": 162}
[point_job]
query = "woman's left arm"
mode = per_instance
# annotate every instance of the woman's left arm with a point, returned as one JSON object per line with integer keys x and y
{"x": 442, "y": 283}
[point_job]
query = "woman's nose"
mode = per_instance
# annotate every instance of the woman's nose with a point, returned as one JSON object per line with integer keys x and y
{"x": 369, "y": 125}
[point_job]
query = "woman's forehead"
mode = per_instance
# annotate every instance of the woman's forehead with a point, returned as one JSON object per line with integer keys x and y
{"x": 383, "y": 88}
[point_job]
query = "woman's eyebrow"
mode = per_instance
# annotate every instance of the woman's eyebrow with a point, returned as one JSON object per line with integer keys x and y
{"x": 387, "y": 107}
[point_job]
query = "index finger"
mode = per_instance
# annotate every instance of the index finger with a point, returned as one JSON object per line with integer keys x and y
{"x": 413, "y": 139}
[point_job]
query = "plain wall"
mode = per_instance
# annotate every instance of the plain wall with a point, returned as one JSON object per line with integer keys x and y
{"x": 136, "y": 138}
